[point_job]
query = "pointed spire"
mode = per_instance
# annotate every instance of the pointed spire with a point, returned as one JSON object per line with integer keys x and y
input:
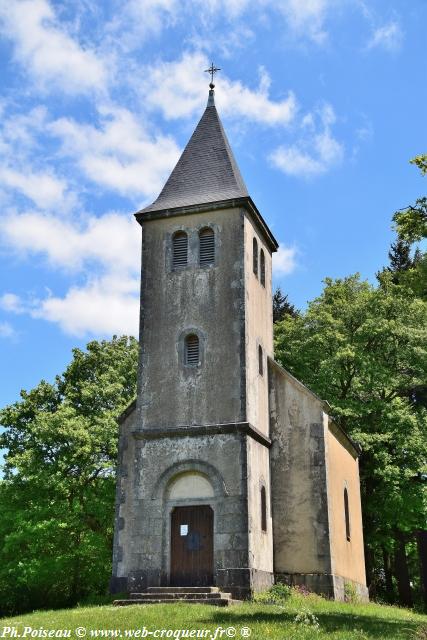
{"x": 207, "y": 170}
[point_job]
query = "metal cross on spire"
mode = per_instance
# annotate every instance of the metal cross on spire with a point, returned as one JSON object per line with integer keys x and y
{"x": 212, "y": 70}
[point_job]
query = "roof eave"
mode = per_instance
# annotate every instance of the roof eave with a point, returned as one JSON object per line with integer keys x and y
{"x": 244, "y": 201}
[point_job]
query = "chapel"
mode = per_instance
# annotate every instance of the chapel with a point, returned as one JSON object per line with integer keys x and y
{"x": 231, "y": 473}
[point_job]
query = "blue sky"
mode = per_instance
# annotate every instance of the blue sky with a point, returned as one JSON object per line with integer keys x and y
{"x": 323, "y": 102}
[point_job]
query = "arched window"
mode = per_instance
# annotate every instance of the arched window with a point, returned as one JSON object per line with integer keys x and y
{"x": 260, "y": 361}
{"x": 255, "y": 256}
{"x": 347, "y": 515}
{"x": 262, "y": 267}
{"x": 206, "y": 247}
{"x": 191, "y": 350}
{"x": 263, "y": 509}
{"x": 179, "y": 250}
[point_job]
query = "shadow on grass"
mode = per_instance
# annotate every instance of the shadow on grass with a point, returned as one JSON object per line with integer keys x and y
{"x": 372, "y": 626}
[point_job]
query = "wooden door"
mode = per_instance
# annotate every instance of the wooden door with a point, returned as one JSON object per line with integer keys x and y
{"x": 191, "y": 546}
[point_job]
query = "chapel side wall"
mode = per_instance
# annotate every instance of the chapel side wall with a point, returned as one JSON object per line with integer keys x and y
{"x": 207, "y": 299}
{"x": 343, "y": 472}
{"x": 298, "y": 479}
{"x": 125, "y": 481}
{"x": 259, "y": 329}
{"x": 260, "y": 542}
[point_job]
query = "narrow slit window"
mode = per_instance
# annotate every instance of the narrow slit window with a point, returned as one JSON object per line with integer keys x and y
{"x": 263, "y": 509}
{"x": 192, "y": 351}
{"x": 255, "y": 256}
{"x": 179, "y": 250}
{"x": 262, "y": 267}
{"x": 206, "y": 247}
{"x": 347, "y": 515}
{"x": 260, "y": 361}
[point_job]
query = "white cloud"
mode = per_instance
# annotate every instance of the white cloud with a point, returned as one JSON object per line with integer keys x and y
{"x": 175, "y": 88}
{"x": 119, "y": 153}
{"x": 140, "y": 19}
{"x": 104, "y": 306}
{"x": 306, "y": 18}
{"x": 11, "y": 302}
{"x": 111, "y": 241}
{"x": 302, "y": 19}
{"x": 44, "y": 189}
{"x": 6, "y": 330}
{"x": 23, "y": 161}
{"x": 47, "y": 50}
{"x": 284, "y": 260}
{"x": 104, "y": 250}
{"x": 388, "y": 37}
{"x": 316, "y": 152}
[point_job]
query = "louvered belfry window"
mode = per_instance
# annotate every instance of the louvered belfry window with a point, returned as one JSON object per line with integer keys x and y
{"x": 179, "y": 250}
{"x": 192, "y": 350}
{"x": 262, "y": 267}
{"x": 206, "y": 247}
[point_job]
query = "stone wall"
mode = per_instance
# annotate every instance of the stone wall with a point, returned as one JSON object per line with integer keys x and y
{"x": 206, "y": 300}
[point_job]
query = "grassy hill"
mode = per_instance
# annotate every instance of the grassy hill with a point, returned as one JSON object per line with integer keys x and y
{"x": 298, "y": 617}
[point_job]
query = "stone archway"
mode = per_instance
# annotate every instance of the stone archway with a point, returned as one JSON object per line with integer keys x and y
{"x": 189, "y": 493}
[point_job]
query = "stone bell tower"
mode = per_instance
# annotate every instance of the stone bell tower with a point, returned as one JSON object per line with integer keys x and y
{"x": 193, "y": 492}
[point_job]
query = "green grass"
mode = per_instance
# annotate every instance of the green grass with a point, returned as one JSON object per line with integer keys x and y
{"x": 336, "y": 621}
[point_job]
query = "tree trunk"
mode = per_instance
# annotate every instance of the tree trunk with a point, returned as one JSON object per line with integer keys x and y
{"x": 422, "y": 554}
{"x": 372, "y": 587}
{"x": 401, "y": 570}
{"x": 388, "y": 576}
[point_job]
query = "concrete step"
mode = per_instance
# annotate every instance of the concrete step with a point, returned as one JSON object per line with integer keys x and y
{"x": 218, "y": 602}
{"x": 156, "y": 595}
{"x": 176, "y": 596}
{"x": 181, "y": 590}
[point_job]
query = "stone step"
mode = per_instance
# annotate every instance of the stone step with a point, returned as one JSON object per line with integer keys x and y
{"x": 218, "y": 602}
{"x": 181, "y": 590}
{"x": 176, "y": 596}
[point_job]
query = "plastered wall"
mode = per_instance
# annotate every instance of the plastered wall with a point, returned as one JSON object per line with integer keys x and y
{"x": 298, "y": 477}
{"x": 260, "y": 542}
{"x": 343, "y": 472}
{"x": 208, "y": 300}
{"x": 259, "y": 330}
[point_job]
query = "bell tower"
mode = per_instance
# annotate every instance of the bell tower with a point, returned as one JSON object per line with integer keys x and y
{"x": 193, "y": 491}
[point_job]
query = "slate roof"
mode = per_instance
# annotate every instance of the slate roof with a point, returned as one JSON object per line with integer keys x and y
{"x": 206, "y": 171}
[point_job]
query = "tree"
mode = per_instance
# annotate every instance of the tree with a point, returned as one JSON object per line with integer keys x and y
{"x": 411, "y": 222}
{"x": 362, "y": 348}
{"x": 57, "y": 496}
{"x": 282, "y": 306}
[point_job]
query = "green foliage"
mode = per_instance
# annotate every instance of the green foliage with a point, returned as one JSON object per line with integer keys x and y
{"x": 350, "y": 593}
{"x": 307, "y": 618}
{"x": 282, "y": 306}
{"x": 411, "y": 223}
{"x": 336, "y": 620}
{"x": 57, "y": 495}
{"x": 277, "y": 594}
{"x": 421, "y": 163}
{"x": 364, "y": 350}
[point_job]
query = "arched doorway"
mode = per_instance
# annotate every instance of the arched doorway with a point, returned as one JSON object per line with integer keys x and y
{"x": 192, "y": 546}
{"x": 192, "y": 527}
